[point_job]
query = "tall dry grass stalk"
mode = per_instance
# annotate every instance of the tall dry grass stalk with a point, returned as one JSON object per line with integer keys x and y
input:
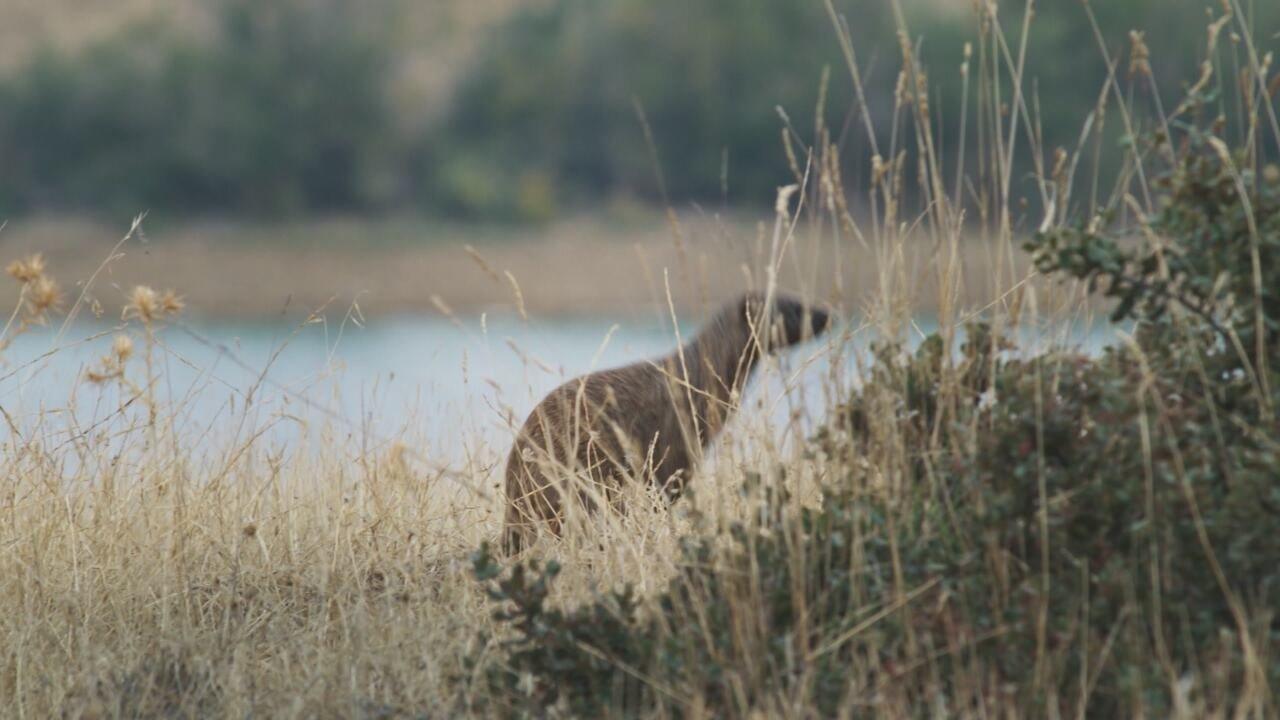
{"x": 151, "y": 571}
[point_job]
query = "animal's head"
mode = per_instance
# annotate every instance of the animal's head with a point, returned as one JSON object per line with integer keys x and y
{"x": 792, "y": 320}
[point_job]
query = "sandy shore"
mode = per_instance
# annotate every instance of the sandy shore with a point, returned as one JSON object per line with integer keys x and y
{"x": 583, "y": 266}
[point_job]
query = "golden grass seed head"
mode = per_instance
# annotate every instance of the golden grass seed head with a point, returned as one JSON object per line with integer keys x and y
{"x": 1139, "y": 55}
{"x": 1059, "y": 173}
{"x": 901, "y": 95}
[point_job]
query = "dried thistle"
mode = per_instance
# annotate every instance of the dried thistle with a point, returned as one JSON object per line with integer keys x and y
{"x": 122, "y": 347}
{"x": 171, "y": 303}
{"x": 143, "y": 304}
{"x": 98, "y": 377}
{"x": 44, "y": 296}
{"x": 28, "y": 269}
{"x": 111, "y": 366}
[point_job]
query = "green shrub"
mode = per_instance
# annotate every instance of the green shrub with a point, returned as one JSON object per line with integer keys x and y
{"x": 1223, "y": 267}
{"x": 1056, "y": 533}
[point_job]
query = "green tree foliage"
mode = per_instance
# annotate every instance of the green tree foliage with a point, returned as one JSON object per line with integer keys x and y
{"x": 559, "y": 89}
{"x": 283, "y": 110}
{"x": 1059, "y": 533}
{"x": 286, "y": 106}
{"x": 554, "y": 95}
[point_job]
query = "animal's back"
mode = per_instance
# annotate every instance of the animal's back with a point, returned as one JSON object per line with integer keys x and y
{"x": 597, "y": 431}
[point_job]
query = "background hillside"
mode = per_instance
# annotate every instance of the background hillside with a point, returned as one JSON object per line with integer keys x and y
{"x": 504, "y": 110}
{"x": 435, "y": 38}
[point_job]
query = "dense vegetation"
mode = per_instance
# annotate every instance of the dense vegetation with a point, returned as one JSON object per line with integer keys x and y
{"x": 286, "y": 106}
{"x": 1073, "y": 534}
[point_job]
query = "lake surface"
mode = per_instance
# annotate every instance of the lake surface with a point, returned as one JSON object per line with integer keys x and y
{"x": 450, "y": 388}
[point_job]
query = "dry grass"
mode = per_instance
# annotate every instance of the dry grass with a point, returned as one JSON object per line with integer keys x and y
{"x": 153, "y": 571}
{"x": 150, "y": 575}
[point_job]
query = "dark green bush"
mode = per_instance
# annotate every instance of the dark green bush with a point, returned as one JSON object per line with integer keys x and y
{"x": 1223, "y": 269}
{"x": 1057, "y": 533}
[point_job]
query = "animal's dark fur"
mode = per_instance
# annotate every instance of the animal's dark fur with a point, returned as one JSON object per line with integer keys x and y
{"x": 643, "y": 420}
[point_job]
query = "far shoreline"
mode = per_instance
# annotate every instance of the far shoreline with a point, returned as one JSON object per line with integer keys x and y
{"x": 585, "y": 266}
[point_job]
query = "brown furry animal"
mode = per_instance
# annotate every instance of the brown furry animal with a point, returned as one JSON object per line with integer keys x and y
{"x": 649, "y": 420}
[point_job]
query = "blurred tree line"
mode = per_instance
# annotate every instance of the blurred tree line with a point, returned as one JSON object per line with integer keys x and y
{"x": 286, "y": 107}
{"x": 282, "y": 110}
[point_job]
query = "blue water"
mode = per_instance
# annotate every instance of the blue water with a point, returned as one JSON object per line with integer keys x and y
{"x": 452, "y": 389}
